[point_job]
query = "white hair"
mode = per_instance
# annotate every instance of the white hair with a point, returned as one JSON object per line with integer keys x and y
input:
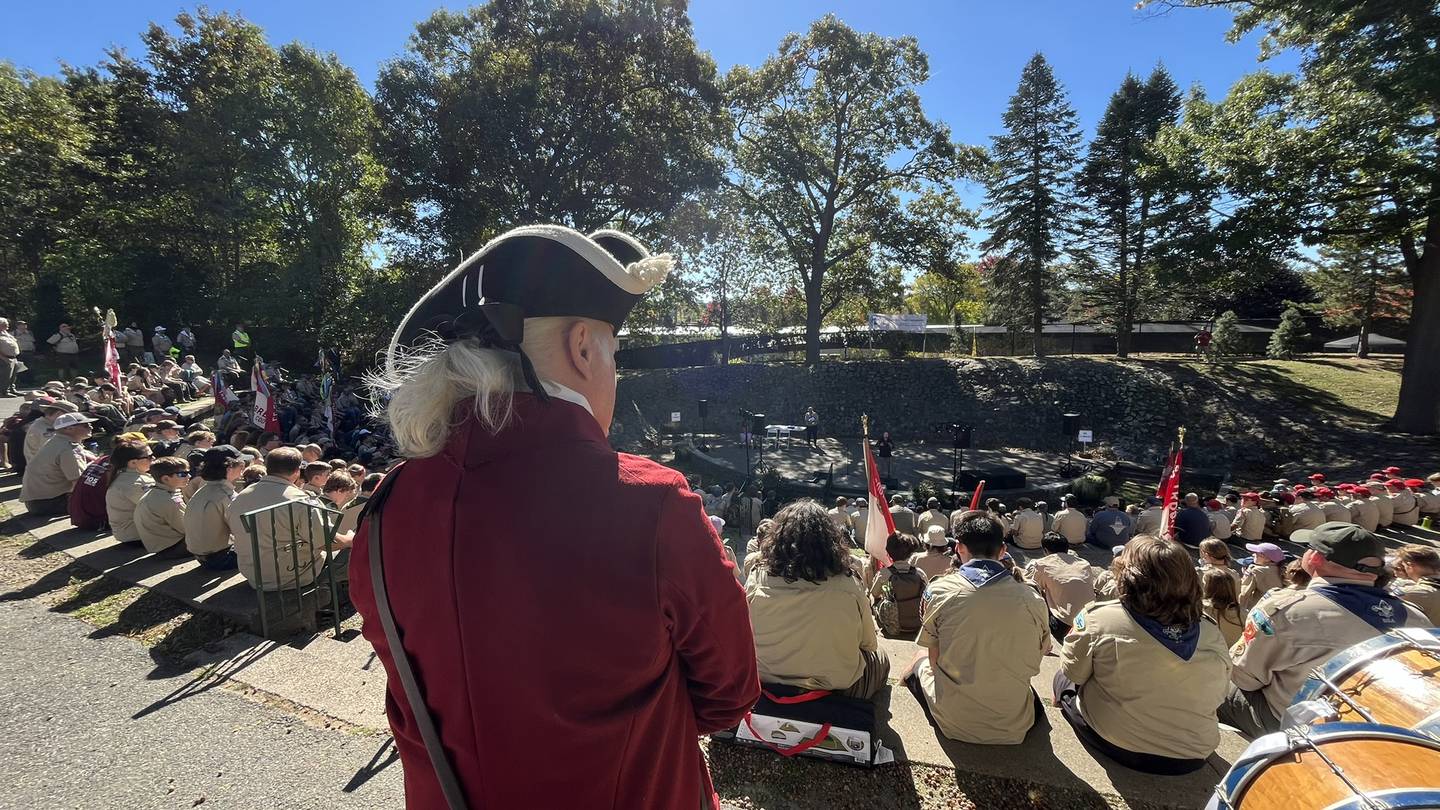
{"x": 419, "y": 388}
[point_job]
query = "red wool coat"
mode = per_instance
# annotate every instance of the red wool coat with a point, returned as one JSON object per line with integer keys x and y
{"x": 569, "y": 613}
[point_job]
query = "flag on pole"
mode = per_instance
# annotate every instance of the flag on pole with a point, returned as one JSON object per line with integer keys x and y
{"x": 879, "y": 523}
{"x": 111, "y": 360}
{"x": 979, "y": 493}
{"x": 1165, "y": 471}
{"x": 1169, "y": 491}
{"x": 224, "y": 396}
{"x": 264, "y": 416}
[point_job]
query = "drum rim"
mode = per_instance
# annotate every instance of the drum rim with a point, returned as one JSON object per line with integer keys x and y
{"x": 1325, "y": 732}
{"x": 1417, "y": 796}
{"x": 1346, "y": 662}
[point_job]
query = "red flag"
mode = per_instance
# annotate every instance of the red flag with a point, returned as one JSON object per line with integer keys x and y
{"x": 1169, "y": 493}
{"x": 112, "y": 361}
{"x": 264, "y": 415}
{"x": 975, "y": 499}
{"x": 879, "y": 523}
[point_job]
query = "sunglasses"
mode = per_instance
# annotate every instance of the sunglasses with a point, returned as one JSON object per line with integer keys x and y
{"x": 181, "y": 474}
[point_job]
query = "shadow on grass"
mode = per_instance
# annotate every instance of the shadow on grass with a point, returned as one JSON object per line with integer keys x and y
{"x": 55, "y": 580}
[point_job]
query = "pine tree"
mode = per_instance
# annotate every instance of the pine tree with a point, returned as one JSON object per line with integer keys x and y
{"x": 1289, "y": 338}
{"x": 1360, "y": 287}
{"x": 1029, "y": 194}
{"x": 1225, "y": 341}
{"x": 1115, "y": 265}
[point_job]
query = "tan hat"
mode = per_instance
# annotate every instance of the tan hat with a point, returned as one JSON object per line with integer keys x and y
{"x": 62, "y": 405}
{"x": 935, "y": 536}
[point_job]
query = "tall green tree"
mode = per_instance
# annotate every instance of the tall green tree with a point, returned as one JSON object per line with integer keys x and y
{"x": 1028, "y": 192}
{"x": 1115, "y": 263}
{"x": 722, "y": 252}
{"x": 1350, "y": 146}
{"x": 44, "y": 159}
{"x": 830, "y": 143}
{"x": 582, "y": 112}
{"x": 1290, "y": 338}
{"x": 1360, "y": 287}
{"x": 949, "y": 298}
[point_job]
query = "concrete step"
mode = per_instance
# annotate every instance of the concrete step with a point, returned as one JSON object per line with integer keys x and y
{"x": 322, "y": 677}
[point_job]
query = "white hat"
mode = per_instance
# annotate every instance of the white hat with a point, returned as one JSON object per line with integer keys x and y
{"x": 66, "y": 420}
{"x": 719, "y": 523}
{"x": 935, "y": 536}
{"x": 159, "y": 329}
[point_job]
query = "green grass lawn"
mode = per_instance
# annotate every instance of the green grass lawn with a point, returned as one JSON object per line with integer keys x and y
{"x": 1370, "y": 386}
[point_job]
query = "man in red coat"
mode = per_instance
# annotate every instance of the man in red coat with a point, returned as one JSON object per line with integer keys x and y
{"x": 561, "y": 668}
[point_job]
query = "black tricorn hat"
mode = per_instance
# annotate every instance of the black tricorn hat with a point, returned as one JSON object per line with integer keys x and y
{"x": 535, "y": 271}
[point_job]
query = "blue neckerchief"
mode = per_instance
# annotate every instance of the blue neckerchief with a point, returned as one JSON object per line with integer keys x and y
{"x": 1177, "y": 638}
{"x": 1379, "y": 609}
{"x": 983, "y": 572}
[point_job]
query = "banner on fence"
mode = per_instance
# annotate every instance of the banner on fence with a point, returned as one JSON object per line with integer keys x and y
{"x": 880, "y": 322}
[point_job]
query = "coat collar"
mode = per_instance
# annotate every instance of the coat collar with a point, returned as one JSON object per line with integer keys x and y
{"x": 533, "y": 424}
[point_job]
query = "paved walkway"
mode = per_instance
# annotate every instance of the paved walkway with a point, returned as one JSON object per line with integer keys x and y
{"x": 90, "y": 722}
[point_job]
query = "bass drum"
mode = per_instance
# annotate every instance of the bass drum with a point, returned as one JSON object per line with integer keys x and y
{"x": 1392, "y": 679}
{"x": 1336, "y": 766}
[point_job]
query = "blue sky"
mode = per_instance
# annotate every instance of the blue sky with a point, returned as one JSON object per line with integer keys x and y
{"x": 976, "y": 48}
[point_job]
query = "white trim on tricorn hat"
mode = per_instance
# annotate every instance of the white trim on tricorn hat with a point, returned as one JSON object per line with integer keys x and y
{"x": 616, "y": 257}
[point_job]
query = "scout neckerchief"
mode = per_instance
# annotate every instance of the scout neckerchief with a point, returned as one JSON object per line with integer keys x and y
{"x": 1177, "y": 638}
{"x": 983, "y": 572}
{"x": 1378, "y": 608}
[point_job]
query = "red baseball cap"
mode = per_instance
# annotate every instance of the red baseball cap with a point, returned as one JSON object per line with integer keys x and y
{"x": 1317, "y": 476}
{"x": 1250, "y": 496}
{"x": 1414, "y": 482}
{"x": 1394, "y": 482}
{"x": 1214, "y": 504}
{"x": 1391, "y": 471}
{"x": 1325, "y": 492}
{"x": 1377, "y": 476}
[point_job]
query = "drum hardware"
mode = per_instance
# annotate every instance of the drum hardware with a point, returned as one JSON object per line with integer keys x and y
{"x": 1340, "y": 693}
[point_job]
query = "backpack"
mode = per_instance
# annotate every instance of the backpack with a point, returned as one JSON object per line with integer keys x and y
{"x": 87, "y": 499}
{"x": 899, "y": 610}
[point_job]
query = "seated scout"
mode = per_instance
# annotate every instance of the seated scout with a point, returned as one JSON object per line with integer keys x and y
{"x": 1141, "y": 676}
{"x": 810, "y": 617}
{"x": 1289, "y": 633}
{"x": 983, "y": 635}
{"x": 898, "y": 588}
{"x": 207, "y": 520}
{"x": 1065, "y": 579}
{"x": 934, "y": 560}
{"x": 160, "y": 514}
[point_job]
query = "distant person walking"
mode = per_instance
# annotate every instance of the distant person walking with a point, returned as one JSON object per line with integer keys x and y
{"x": 240, "y": 341}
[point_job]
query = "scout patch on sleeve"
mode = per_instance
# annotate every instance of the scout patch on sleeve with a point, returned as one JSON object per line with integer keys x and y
{"x": 1257, "y": 623}
{"x": 1079, "y": 620}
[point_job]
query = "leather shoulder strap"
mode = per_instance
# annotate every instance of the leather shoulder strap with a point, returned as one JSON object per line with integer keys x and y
{"x": 449, "y": 785}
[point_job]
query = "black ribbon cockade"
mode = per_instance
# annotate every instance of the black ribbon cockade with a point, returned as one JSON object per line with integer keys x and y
{"x": 494, "y": 325}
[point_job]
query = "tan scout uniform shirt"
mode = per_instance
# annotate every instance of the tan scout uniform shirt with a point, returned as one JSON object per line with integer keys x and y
{"x": 809, "y": 634}
{"x": 1029, "y": 528}
{"x": 1066, "y": 581}
{"x": 841, "y": 518}
{"x": 54, "y": 470}
{"x": 207, "y": 518}
{"x": 1425, "y": 595}
{"x": 120, "y": 501}
{"x": 306, "y": 518}
{"x": 857, "y": 524}
{"x": 1071, "y": 524}
{"x": 1335, "y": 512}
{"x": 931, "y": 517}
{"x": 1406, "y": 509}
{"x": 160, "y": 518}
{"x": 1364, "y": 514}
{"x": 1305, "y": 515}
{"x": 1256, "y": 581}
{"x": 1249, "y": 523}
{"x": 1384, "y": 506}
{"x": 1149, "y": 521}
{"x": 1292, "y": 632}
{"x": 1220, "y": 524}
{"x": 36, "y": 434}
{"x": 934, "y": 562}
{"x": 1231, "y": 622}
{"x": 1139, "y": 695}
{"x": 1105, "y": 585}
{"x": 904, "y": 518}
{"x": 987, "y": 644}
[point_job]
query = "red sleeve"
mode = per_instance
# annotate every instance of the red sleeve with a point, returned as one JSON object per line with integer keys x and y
{"x": 705, "y": 609}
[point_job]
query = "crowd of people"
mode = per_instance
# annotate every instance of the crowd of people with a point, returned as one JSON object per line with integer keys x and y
{"x": 178, "y": 489}
{"x": 1156, "y": 650}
